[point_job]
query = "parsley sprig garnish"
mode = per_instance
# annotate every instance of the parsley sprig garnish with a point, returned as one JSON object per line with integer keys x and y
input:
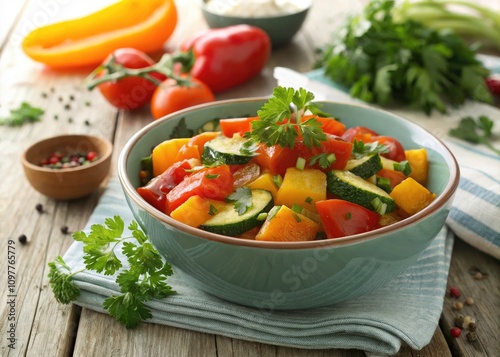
{"x": 145, "y": 278}
{"x": 26, "y": 113}
{"x": 360, "y": 149}
{"x": 277, "y": 125}
{"x": 476, "y": 131}
{"x": 242, "y": 199}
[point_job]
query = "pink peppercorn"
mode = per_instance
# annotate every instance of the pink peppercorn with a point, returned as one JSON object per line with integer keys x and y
{"x": 454, "y": 292}
{"x": 455, "y": 332}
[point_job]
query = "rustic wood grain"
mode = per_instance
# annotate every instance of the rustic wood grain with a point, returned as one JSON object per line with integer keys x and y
{"x": 486, "y": 308}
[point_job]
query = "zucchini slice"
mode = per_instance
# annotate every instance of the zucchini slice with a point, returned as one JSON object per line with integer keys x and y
{"x": 227, "y": 221}
{"x": 365, "y": 167}
{"x": 353, "y": 188}
{"x": 224, "y": 150}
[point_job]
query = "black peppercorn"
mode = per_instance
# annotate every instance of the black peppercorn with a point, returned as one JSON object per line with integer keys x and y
{"x": 22, "y": 239}
{"x": 39, "y": 208}
{"x": 64, "y": 229}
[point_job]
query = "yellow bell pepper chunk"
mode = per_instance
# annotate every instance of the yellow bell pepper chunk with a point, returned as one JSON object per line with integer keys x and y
{"x": 302, "y": 187}
{"x": 88, "y": 40}
{"x": 165, "y": 154}
{"x": 265, "y": 182}
{"x": 411, "y": 196}
{"x": 419, "y": 164}
{"x": 286, "y": 225}
{"x": 194, "y": 212}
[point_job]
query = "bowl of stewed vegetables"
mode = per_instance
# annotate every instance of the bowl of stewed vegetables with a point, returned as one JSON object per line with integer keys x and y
{"x": 287, "y": 203}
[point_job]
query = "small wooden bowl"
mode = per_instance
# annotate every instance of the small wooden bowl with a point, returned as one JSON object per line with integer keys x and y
{"x": 67, "y": 183}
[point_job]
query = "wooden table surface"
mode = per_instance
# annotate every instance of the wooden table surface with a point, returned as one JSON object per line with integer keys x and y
{"x": 46, "y": 328}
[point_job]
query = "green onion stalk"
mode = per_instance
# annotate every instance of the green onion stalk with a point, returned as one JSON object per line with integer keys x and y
{"x": 475, "y": 22}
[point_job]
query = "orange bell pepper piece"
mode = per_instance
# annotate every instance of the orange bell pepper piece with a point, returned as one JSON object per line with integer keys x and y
{"x": 85, "y": 41}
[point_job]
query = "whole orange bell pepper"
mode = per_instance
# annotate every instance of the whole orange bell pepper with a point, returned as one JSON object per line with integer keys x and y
{"x": 85, "y": 41}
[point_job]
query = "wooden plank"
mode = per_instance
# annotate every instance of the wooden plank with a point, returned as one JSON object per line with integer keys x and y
{"x": 9, "y": 13}
{"x": 486, "y": 308}
{"x": 100, "y": 335}
{"x": 41, "y": 321}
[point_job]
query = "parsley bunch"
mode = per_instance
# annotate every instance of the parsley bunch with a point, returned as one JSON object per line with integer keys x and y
{"x": 276, "y": 126}
{"x": 145, "y": 279}
{"x": 386, "y": 62}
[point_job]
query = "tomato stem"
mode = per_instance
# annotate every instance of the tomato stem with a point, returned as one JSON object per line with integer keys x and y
{"x": 111, "y": 71}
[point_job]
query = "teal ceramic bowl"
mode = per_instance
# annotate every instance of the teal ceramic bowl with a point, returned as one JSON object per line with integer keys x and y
{"x": 281, "y": 29}
{"x": 296, "y": 275}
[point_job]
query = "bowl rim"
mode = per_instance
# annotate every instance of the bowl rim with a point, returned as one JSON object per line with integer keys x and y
{"x": 437, "y": 204}
{"x": 306, "y": 8}
{"x": 103, "y": 158}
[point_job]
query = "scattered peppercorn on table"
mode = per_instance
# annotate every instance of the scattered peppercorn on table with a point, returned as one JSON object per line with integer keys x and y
{"x": 35, "y": 229}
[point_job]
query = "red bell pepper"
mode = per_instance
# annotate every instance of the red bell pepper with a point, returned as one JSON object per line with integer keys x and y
{"x": 328, "y": 125}
{"x": 156, "y": 190}
{"x": 212, "y": 182}
{"x": 277, "y": 159}
{"x": 229, "y": 56}
{"x": 342, "y": 218}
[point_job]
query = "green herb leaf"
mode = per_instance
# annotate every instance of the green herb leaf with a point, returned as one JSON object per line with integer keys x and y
{"x": 385, "y": 58}
{"x": 145, "y": 279}
{"x": 325, "y": 160}
{"x": 360, "y": 149}
{"x": 211, "y": 176}
{"x": 181, "y": 130}
{"x": 475, "y": 131}
{"x": 212, "y": 210}
{"x": 65, "y": 291}
{"x": 277, "y": 125}
{"x": 24, "y": 114}
{"x": 242, "y": 199}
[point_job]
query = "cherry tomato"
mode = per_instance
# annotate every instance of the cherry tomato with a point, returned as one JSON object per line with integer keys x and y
{"x": 360, "y": 133}
{"x": 229, "y": 127}
{"x": 170, "y": 97}
{"x": 493, "y": 83}
{"x": 342, "y": 218}
{"x": 396, "y": 150}
{"x": 130, "y": 92}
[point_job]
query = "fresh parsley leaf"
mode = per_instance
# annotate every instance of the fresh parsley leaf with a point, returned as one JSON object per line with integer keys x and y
{"x": 475, "y": 131}
{"x": 181, "y": 130}
{"x": 65, "y": 291}
{"x": 145, "y": 279}
{"x": 249, "y": 148}
{"x": 324, "y": 160}
{"x": 127, "y": 309}
{"x": 386, "y": 60}
{"x": 211, "y": 176}
{"x": 24, "y": 114}
{"x": 280, "y": 122}
{"x": 360, "y": 149}
{"x": 242, "y": 199}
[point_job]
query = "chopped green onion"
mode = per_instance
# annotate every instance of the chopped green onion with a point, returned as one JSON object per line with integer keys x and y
{"x": 211, "y": 176}
{"x": 348, "y": 215}
{"x": 403, "y": 166}
{"x": 301, "y": 163}
{"x": 262, "y": 216}
{"x": 297, "y": 218}
{"x": 212, "y": 210}
{"x": 379, "y": 206}
{"x": 384, "y": 183}
{"x": 331, "y": 158}
{"x": 297, "y": 208}
{"x": 309, "y": 200}
{"x": 278, "y": 180}
{"x": 273, "y": 212}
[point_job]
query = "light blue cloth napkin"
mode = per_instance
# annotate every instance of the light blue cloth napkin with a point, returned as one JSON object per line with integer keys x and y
{"x": 405, "y": 311}
{"x": 475, "y": 213}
